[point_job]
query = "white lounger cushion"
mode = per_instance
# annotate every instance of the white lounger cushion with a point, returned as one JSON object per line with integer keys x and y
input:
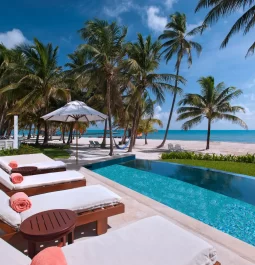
{"x": 49, "y": 179}
{"x": 7, "y": 214}
{"x": 40, "y": 179}
{"x": 78, "y": 200}
{"x": 11, "y": 256}
{"x": 5, "y": 180}
{"x": 39, "y": 160}
{"x": 46, "y": 165}
{"x": 151, "y": 241}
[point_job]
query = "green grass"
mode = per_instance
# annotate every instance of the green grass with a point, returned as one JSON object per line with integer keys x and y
{"x": 235, "y": 167}
{"x": 55, "y": 153}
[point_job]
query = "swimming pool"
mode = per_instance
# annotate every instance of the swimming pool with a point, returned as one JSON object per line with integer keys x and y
{"x": 224, "y": 201}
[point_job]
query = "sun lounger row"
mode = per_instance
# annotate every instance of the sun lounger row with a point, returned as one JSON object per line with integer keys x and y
{"x": 94, "y": 144}
{"x": 151, "y": 241}
{"x": 176, "y": 148}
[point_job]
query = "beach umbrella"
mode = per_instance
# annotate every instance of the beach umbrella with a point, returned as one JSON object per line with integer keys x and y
{"x": 75, "y": 111}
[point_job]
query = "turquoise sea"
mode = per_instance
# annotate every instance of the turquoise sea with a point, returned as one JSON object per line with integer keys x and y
{"x": 243, "y": 136}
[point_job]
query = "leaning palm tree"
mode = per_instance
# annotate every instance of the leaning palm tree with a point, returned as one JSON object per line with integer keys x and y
{"x": 143, "y": 62}
{"x": 213, "y": 104}
{"x": 105, "y": 48}
{"x": 178, "y": 44}
{"x": 223, "y": 8}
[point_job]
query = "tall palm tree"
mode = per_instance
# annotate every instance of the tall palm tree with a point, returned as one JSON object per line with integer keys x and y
{"x": 178, "y": 44}
{"x": 105, "y": 48}
{"x": 222, "y": 8}
{"x": 213, "y": 103}
{"x": 143, "y": 62}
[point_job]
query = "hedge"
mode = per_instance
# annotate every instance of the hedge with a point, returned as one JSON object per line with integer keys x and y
{"x": 248, "y": 158}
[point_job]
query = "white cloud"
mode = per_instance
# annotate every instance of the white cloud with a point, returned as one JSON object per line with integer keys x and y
{"x": 192, "y": 26}
{"x": 154, "y": 20}
{"x": 12, "y": 38}
{"x": 169, "y": 3}
{"x": 119, "y": 8}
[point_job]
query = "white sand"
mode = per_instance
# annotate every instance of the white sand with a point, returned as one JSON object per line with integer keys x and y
{"x": 150, "y": 151}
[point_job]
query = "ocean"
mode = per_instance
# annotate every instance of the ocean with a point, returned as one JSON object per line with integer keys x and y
{"x": 242, "y": 136}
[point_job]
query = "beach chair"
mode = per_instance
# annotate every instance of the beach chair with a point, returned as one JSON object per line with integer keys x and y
{"x": 42, "y": 183}
{"x": 43, "y": 163}
{"x": 91, "y": 144}
{"x": 150, "y": 241}
{"x": 170, "y": 147}
{"x": 91, "y": 203}
{"x": 97, "y": 144}
{"x": 178, "y": 148}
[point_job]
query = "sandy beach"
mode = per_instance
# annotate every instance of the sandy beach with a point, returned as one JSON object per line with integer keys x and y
{"x": 150, "y": 150}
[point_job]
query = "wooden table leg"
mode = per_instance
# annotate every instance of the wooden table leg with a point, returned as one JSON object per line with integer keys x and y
{"x": 102, "y": 226}
{"x": 31, "y": 249}
{"x": 63, "y": 241}
{"x": 71, "y": 237}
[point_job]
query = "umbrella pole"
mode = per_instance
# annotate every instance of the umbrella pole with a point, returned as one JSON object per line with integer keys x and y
{"x": 76, "y": 143}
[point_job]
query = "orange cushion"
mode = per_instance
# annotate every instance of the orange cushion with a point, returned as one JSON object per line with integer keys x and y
{"x": 13, "y": 164}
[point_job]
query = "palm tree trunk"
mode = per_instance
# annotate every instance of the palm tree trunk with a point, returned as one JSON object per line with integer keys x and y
{"x": 63, "y": 133}
{"x": 29, "y": 131}
{"x": 70, "y": 136}
{"x": 46, "y": 134}
{"x": 208, "y": 135}
{"x": 108, "y": 98}
{"x": 38, "y": 133}
{"x": 172, "y": 109}
{"x": 133, "y": 128}
{"x": 103, "y": 144}
{"x": 124, "y": 135}
{"x": 145, "y": 135}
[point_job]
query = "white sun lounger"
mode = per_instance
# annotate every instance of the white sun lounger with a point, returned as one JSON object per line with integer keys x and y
{"x": 151, "y": 241}
{"x": 41, "y": 161}
{"x": 42, "y": 183}
{"x": 81, "y": 200}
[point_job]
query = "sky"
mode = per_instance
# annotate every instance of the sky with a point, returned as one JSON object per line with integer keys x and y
{"x": 58, "y": 22}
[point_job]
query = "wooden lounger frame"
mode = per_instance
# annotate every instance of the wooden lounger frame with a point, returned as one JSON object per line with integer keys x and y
{"x": 46, "y": 188}
{"x": 99, "y": 215}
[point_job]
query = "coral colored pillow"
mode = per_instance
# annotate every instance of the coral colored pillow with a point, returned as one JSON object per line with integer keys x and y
{"x": 50, "y": 256}
{"x": 13, "y": 164}
{"x": 16, "y": 178}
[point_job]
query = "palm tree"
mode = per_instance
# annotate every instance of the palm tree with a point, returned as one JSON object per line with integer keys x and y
{"x": 146, "y": 126}
{"x": 213, "y": 103}
{"x": 143, "y": 61}
{"x": 222, "y": 8}
{"x": 40, "y": 80}
{"x": 178, "y": 43}
{"x": 105, "y": 48}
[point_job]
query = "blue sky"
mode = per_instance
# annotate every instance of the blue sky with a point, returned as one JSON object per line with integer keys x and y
{"x": 58, "y": 21}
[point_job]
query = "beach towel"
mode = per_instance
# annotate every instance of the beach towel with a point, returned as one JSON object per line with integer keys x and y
{"x": 13, "y": 164}
{"x": 50, "y": 256}
{"x": 20, "y": 202}
{"x": 16, "y": 178}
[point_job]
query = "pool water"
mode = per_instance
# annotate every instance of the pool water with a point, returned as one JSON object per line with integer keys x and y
{"x": 198, "y": 193}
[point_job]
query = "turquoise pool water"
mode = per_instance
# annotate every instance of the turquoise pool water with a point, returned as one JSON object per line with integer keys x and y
{"x": 228, "y": 214}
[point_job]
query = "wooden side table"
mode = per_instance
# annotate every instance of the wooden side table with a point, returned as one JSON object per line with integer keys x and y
{"x": 48, "y": 226}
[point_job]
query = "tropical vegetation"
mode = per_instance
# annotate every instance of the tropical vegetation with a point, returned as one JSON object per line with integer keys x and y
{"x": 115, "y": 76}
{"x": 223, "y": 8}
{"x": 213, "y": 103}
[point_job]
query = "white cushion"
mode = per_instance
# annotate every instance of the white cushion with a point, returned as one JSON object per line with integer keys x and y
{"x": 11, "y": 256}
{"x": 150, "y": 241}
{"x": 78, "y": 200}
{"x": 5, "y": 180}
{"x": 49, "y": 179}
{"x": 7, "y": 214}
{"x": 46, "y": 165}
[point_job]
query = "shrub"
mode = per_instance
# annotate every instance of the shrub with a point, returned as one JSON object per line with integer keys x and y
{"x": 23, "y": 150}
{"x": 248, "y": 158}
